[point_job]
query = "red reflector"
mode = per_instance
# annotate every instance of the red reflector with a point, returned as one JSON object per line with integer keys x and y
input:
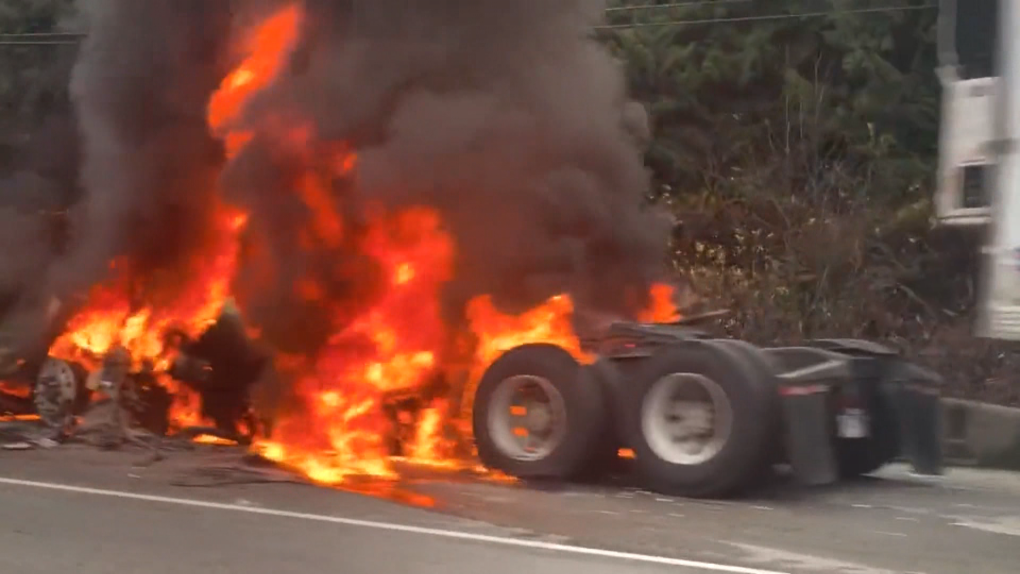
{"x": 799, "y": 391}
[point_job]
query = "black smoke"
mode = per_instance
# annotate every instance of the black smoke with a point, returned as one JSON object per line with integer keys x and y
{"x": 144, "y": 166}
{"x": 505, "y": 115}
{"x": 150, "y": 167}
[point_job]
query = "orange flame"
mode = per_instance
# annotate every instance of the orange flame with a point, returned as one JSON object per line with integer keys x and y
{"x": 267, "y": 48}
{"x": 213, "y": 440}
{"x": 21, "y": 391}
{"x": 18, "y": 418}
{"x": 662, "y": 305}
{"x": 392, "y": 345}
{"x": 550, "y": 322}
{"x": 430, "y": 446}
{"x": 498, "y": 332}
{"x": 112, "y": 317}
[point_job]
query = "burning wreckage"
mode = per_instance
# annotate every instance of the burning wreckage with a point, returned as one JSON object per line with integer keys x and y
{"x": 704, "y": 416}
{"x": 415, "y": 217}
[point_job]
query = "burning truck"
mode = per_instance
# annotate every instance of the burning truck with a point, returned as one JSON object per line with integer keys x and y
{"x": 431, "y": 218}
{"x": 704, "y": 416}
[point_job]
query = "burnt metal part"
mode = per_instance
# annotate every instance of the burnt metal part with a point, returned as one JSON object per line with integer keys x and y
{"x": 112, "y": 418}
{"x": 148, "y": 402}
{"x": 113, "y": 382}
{"x": 16, "y": 403}
{"x": 222, "y": 365}
{"x": 191, "y": 369}
{"x": 403, "y": 407}
{"x": 9, "y": 363}
{"x": 59, "y": 392}
{"x": 10, "y": 405}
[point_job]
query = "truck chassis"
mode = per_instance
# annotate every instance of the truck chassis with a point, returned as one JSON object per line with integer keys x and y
{"x": 706, "y": 417}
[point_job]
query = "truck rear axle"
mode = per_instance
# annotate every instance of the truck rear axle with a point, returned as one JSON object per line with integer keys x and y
{"x": 706, "y": 417}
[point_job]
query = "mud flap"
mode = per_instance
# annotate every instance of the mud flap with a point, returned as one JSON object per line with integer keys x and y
{"x": 914, "y": 392}
{"x": 804, "y": 388}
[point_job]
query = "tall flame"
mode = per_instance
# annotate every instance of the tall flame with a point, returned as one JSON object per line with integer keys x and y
{"x": 267, "y": 48}
{"x": 661, "y": 306}
{"x": 394, "y": 344}
{"x": 113, "y": 316}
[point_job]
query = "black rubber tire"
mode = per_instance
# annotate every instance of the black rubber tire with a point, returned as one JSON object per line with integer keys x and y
{"x": 744, "y": 458}
{"x": 766, "y": 367}
{"x": 583, "y": 400}
{"x": 605, "y": 458}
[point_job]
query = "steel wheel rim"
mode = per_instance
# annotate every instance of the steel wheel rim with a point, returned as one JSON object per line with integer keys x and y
{"x": 686, "y": 418}
{"x": 56, "y": 389}
{"x": 531, "y": 403}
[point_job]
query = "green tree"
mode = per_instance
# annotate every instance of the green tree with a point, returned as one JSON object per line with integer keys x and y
{"x": 725, "y": 97}
{"x": 797, "y": 154}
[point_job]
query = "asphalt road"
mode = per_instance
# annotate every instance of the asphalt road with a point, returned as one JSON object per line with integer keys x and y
{"x": 49, "y": 532}
{"x": 96, "y": 512}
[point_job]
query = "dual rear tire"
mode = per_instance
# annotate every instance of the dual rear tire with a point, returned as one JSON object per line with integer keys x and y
{"x": 700, "y": 416}
{"x": 702, "y": 420}
{"x": 538, "y": 414}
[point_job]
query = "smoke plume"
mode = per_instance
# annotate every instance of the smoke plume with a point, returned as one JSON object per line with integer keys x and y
{"x": 505, "y": 116}
{"x": 145, "y": 165}
{"x": 150, "y": 166}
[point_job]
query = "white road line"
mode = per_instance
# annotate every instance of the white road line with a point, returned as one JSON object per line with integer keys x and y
{"x": 451, "y": 534}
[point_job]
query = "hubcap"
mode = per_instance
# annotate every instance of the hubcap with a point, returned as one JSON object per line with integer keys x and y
{"x": 527, "y": 417}
{"x": 686, "y": 418}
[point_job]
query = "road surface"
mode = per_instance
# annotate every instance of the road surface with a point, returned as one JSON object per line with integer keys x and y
{"x": 52, "y": 531}
{"x": 76, "y": 509}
